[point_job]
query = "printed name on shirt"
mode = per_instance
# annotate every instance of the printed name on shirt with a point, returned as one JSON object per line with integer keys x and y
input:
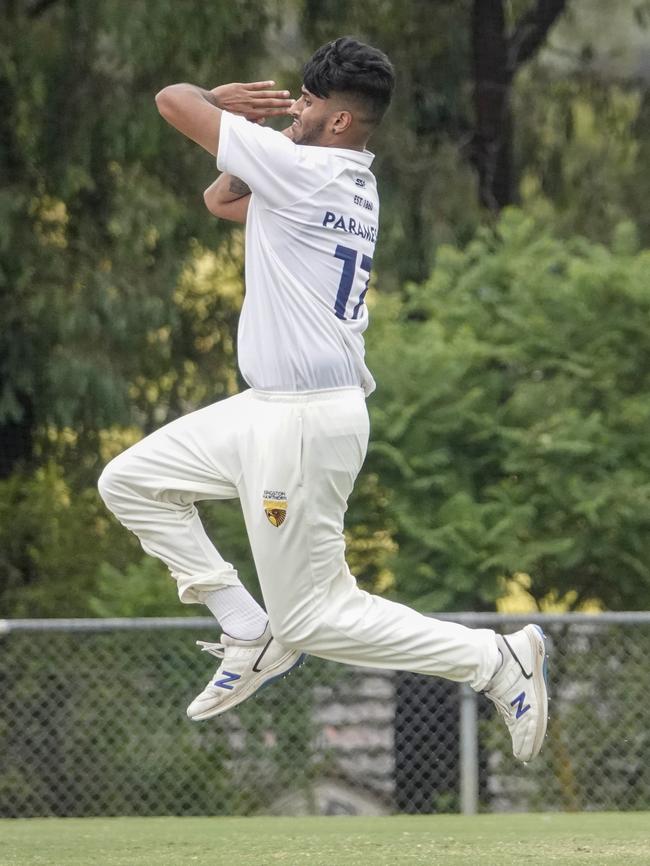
{"x": 363, "y": 202}
{"x": 359, "y": 181}
{"x": 350, "y": 225}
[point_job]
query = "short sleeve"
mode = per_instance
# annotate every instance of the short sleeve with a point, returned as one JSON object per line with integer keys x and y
{"x": 277, "y": 170}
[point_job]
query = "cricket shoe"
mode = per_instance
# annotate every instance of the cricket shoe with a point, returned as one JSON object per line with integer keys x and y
{"x": 518, "y": 689}
{"x": 247, "y": 666}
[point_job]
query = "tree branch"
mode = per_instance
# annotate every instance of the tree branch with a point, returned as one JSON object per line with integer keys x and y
{"x": 531, "y": 30}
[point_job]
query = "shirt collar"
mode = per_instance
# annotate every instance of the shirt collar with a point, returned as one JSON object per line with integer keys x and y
{"x": 361, "y": 157}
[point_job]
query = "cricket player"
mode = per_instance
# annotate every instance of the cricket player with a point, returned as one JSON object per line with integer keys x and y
{"x": 290, "y": 447}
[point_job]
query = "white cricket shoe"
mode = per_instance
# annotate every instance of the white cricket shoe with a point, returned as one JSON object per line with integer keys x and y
{"x": 518, "y": 689}
{"x": 247, "y": 666}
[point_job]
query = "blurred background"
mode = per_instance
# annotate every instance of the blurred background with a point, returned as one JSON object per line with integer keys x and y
{"x": 509, "y": 463}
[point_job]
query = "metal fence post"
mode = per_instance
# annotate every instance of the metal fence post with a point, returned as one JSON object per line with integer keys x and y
{"x": 468, "y": 750}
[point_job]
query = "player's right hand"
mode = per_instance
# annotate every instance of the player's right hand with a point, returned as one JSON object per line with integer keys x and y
{"x": 253, "y": 100}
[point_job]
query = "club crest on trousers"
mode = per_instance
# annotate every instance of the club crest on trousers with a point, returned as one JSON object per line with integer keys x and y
{"x": 275, "y": 506}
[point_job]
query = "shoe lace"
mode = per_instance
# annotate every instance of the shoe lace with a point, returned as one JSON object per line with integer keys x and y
{"x": 503, "y": 708}
{"x": 501, "y": 705}
{"x": 215, "y": 649}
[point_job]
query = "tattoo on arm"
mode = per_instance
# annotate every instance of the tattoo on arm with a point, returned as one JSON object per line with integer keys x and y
{"x": 238, "y": 187}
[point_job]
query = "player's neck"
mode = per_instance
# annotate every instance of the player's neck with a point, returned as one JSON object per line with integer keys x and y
{"x": 346, "y": 143}
{"x": 359, "y": 147}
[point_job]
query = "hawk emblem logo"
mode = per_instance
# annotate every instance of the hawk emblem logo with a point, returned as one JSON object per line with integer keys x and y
{"x": 275, "y": 506}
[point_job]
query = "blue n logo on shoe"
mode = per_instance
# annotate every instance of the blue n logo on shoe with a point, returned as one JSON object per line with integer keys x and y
{"x": 519, "y": 701}
{"x": 228, "y": 679}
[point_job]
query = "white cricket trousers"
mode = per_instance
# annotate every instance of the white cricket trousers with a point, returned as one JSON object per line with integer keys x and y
{"x": 295, "y": 455}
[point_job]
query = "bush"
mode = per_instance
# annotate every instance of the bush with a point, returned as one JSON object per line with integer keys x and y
{"x": 510, "y": 420}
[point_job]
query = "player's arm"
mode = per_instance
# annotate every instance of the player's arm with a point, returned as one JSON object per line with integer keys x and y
{"x": 228, "y": 197}
{"x": 197, "y": 113}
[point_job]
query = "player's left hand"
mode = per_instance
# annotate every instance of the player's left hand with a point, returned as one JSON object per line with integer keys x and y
{"x": 253, "y": 100}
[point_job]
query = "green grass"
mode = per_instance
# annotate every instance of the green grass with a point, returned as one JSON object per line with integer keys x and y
{"x": 621, "y": 839}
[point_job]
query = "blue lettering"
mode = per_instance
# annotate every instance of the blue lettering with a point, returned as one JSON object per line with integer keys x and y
{"x": 349, "y": 258}
{"x": 349, "y": 225}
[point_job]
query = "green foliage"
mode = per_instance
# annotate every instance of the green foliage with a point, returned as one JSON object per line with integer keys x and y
{"x": 111, "y": 312}
{"x": 581, "y": 150}
{"x": 104, "y": 228}
{"x": 580, "y": 124}
{"x": 510, "y": 423}
{"x": 508, "y": 435}
{"x": 52, "y": 539}
{"x": 138, "y": 590}
{"x": 120, "y": 298}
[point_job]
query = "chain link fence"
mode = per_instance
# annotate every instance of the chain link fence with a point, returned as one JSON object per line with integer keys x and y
{"x": 92, "y": 722}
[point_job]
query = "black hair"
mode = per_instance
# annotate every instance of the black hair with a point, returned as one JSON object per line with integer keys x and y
{"x": 348, "y": 66}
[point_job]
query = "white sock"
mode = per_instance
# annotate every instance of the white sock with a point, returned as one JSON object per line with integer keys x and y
{"x": 237, "y": 612}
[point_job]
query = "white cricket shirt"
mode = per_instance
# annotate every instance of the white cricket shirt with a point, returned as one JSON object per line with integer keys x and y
{"x": 310, "y": 238}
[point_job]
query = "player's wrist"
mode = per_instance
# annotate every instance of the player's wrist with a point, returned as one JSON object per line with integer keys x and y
{"x": 217, "y": 96}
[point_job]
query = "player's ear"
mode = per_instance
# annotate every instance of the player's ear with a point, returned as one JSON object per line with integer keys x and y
{"x": 341, "y": 121}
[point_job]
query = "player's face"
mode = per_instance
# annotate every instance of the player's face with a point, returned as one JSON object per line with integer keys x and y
{"x": 310, "y": 115}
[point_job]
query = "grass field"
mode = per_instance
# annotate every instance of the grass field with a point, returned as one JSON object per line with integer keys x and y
{"x": 621, "y": 839}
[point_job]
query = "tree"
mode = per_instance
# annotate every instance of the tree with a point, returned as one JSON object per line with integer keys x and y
{"x": 456, "y": 65}
{"x": 91, "y": 308}
{"x": 498, "y": 52}
{"x": 509, "y": 428}
{"x": 583, "y": 118}
{"x": 111, "y": 319}
{"x": 120, "y": 295}
{"x": 481, "y": 86}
